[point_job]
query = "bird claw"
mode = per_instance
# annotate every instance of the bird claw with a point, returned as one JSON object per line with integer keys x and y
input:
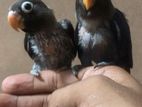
{"x": 35, "y": 70}
{"x": 75, "y": 73}
{"x": 35, "y": 73}
{"x": 102, "y": 64}
{"x": 76, "y": 69}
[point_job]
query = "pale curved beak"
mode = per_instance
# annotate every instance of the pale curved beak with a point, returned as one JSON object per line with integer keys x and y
{"x": 15, "y": 20}
{"x": 88, "y": 4}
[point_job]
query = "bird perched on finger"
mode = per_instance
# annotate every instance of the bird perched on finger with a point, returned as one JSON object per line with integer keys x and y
{"x": 102, "y": 35}
{"x": 48, "y": 42}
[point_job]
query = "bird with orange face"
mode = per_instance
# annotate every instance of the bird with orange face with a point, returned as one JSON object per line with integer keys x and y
{"x": 102, "y": 35}
{"x": 48, "y": 42}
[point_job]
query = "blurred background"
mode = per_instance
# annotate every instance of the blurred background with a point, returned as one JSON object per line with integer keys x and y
{"x": 14, "y": 59}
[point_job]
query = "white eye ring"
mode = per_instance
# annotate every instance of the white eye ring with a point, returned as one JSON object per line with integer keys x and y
{"x": 27, "y": 7}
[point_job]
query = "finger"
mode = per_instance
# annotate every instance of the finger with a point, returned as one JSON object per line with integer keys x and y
{"x": 7, "y": 100}
{"x": 23, "y": 101}
{"x": 28, "y": 84}
{"x": 63, "y": 97}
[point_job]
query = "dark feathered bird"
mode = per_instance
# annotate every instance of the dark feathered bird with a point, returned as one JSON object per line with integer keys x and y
{"x": 102, "y": 34}
{"x": 48, "y": 42}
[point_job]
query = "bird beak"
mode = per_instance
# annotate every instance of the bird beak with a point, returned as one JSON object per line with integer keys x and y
{"x": 88, "y": 4}
{"x": 15, "y": 20}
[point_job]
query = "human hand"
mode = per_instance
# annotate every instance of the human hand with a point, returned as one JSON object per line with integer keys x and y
{"x": 106, "y": 87}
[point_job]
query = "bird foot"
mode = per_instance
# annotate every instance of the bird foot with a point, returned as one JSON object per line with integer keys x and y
{"x": 35, "y": 70}
{"x": 102, "y": 64}
{"x": 76, "y": 69}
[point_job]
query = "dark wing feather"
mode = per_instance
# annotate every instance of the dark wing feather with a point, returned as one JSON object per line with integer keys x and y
{"x": 76, "y": 39}
{"x": 121, "y": 28}
{"x": 28, "y": 43}
{"x": 68, "y": 28}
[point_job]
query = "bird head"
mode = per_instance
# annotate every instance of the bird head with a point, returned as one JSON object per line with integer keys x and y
{"x": 93, "y": 8}
{"x": 30, "y": 16}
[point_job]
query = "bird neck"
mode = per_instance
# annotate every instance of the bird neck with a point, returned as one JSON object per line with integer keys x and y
{"x": 92, "y": 25}
{"x": 50, "y": 25}
{"x": 47, "y": 31}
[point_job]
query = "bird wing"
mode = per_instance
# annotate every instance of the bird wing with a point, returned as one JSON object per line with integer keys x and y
{"x": 76, "y": 34}
{"x": 68, "y": 28}
{"x": 120, "y": 27}
{"x": 30, "y": 45}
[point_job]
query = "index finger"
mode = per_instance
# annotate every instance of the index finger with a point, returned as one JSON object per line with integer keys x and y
{"x": 29, "y": 84}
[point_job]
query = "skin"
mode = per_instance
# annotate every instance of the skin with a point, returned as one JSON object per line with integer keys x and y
{"x": 106, "y": 87}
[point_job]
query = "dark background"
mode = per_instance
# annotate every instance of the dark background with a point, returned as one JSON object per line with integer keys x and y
{"x": 13, "y": 58}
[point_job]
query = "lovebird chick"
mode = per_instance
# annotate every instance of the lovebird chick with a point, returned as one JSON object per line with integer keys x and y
{"x": 48, "y": 42}
{"x": 102, "y": 35}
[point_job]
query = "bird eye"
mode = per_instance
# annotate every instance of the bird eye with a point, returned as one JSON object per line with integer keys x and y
{"x": 27, "y": 7}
